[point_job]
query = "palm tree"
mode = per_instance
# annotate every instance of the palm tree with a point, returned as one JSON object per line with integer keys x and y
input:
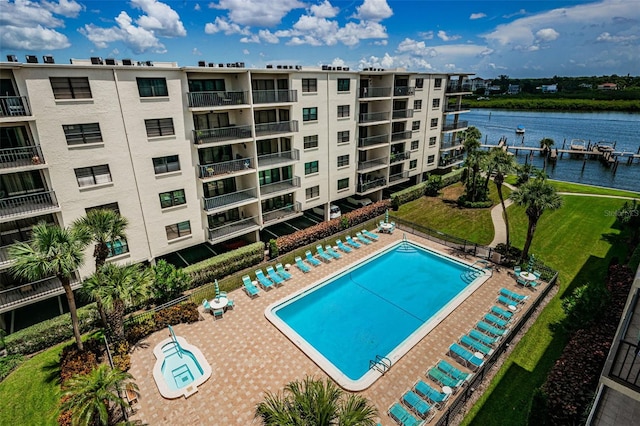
{"x": 94, "y": 398}
{"x": 118, "y": 286}
{"x": 315, "y": 403}
{"x": 536, "y": 195}
{"x": 502, "y": 163}
{"x": 471, "y": 142}
{"x": 105, "y": 226}
{"x": 546, "y": 144}
{"x": 52, "y": 251}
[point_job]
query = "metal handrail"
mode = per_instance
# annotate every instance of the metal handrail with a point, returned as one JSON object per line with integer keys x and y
{"x": 282, "y": 212}
{"x": 212, "y": 203}
{"x": 374, "y": 116}
{"x": 14, "y": 297}
{"x": 401, "y": 135}
{"x": 232, "y": 227}
{"x": 283, "y": 185}
{"x": 372, "y": 184}
{"x": 404, "y": 90}
{"x": 221, "y": 134}
{"x": 276, "y": 127}
{"x": 224, "y": 167}
{"x": 402, "y": 113}
{"x": 375, "y": 92}
{"x": 21, "y": 156}
{"x": 400, "y": 156}
{"x": 278, "y": 157}
{"x": 373, "y": 140}
{"x": 208, "y": 99}
{"x": 28, "y": 203}
{"x": 274, "y": 96}
{"x": 364, "y": 165}
{"x": 454, "y": 126}
{"x": 14, "y": 106}
{"x": 398, "y": 176}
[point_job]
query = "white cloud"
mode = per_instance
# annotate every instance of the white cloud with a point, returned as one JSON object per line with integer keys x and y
{"x": 381, "y": 42}
{"x": 268, "y": 36}
{"x": 226, "y": 27}
{"x": 246, "y": 51}
{"x": 479, "y": 15}
{"x": 547, "y": 34}
{"x": 196, "y": 52}
{"x": 160, "y": 18}
{"x": 68, "y": 8}
{"x": 324, "y": 10}
{"x": 374, "y": 10}
{"x": 426, "y": 35}
{"x": 338, "y": 62}
{"x": 521, "y": 12}
{"x": 257, "y": 12}
{"x": 24, "y": 13}
{"x": 607, "y": 37}
{"x": 442, "y": 35}
{"x": 197, "y": 6}
{"x": 32, "y": 38}
{"x": 253, "y": 38}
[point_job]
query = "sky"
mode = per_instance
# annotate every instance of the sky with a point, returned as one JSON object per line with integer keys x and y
{"x": 540, "y": 38}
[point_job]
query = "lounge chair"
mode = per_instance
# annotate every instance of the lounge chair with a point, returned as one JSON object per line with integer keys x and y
{"x": 249, "y": 288}
{"x": 218, "y": 313}
{"x": 301, "y": 265}
{"x": 324, "y": 256}
{"x": 507, "y": 302}
{"x": 491, "y": 330}
{"x": 483, "y": 338}
{"x": 342, "y": 247}
{"x": 468, "y": 358}
{"x": 502, "y": 313}
{"x": 331, "y": 252}
{"x": 274, "y": 276}
{"x": 452, "y": 371}
{"x": 362, "y": 238}
{"x": 443, "y": 379}
{"x": 517, "y": 270}
{"x": 230, "y": 304}
{"x": 312, "y": 260}
{"x": 537, "y": 274}
{"x": 284, "y": 274}
{"x": 498, "y": 322}
{"x": 206, "y": 305}
{"x": 514, "y": 296}
{"x": 371, "y": 235}
{"x": 404, "y": 418}
{"x": 426, "y": 391}
{"x": 475, "y": 346}
{"x": 352, "y": 242}
{"x": 264, "y": 282}
{"x": 417, "y": 404}
{"x": 523, "y": 282}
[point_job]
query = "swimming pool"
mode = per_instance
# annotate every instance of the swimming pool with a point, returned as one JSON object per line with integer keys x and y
{"x": 377, "y": 310}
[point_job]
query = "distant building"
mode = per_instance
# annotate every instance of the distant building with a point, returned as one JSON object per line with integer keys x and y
{"x": 585, "y": 86}
{"x": 549, "y": 88}
{"x": 513, "y": 89}
{"x": 475, "y": 84}
{"x": 608, "y": 86}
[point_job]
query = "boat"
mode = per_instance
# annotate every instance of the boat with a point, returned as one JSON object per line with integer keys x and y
{"x": 577, "y": 145}
{"x": 520, "y": 129}
{"x": 604, "y": 146}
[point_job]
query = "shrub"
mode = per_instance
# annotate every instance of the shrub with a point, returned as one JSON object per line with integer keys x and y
{"x": 432, "y": 185}
{"x": 585, "y": 305}
{"x": 273, "y": 248}
{"x": 8, "y": 364}
{"x": 122, "y": 362}
{"x": 168, "y": 282}
{"x": 225, "y": 264}
{"x": 140, "y": 330}
{"x": 409, "y": 194}
{"x": 452, "y": 177}
{"x": 73, "y": 361}
{"x": 183, "y": 313}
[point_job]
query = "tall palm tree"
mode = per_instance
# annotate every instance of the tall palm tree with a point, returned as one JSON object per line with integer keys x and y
{"x": 105, "y": 226}
{"x": 536, "y": 195}
{"x": 94, "y": 398}
{"x": 118, "y": 286}
{"x": 471, "y": 143}
{"x": 502, "y": 163}
{"x": 315, "y": 403}
{"x": 546, "y": 144}
{"x": 52, "y": 251}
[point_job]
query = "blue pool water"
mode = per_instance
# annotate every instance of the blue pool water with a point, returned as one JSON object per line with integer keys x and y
{"x": 372, "y": 308}
{"x": 180, "y": 367}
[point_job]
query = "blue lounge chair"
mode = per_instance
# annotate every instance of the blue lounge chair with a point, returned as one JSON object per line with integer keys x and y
{"x": 417, "y": 404}
{"x": 474, "y": 345}
{"x": 507, "y": 302}
{"x": 517, "y": 270}
{"x": 404, "y": 418}
{"x": 218, "y": 313}
{"x": 443, "y": 379}
{"x": 265, "y": 282}
{"x": 502, "y": 313}
{"x": 491, "y": 330}
{"x": 312, "y": 260}
{"x": 498, "y": 322}
{"x": 511, "y": 295}
{"x": 301, "y": 265}
{"x": 468, "y": 358}
{"x": 483, "y": 338}
{"x": 537, "y": 274}
{"x": 342, "y": 247}
{"x": 371, "y": 235}
{"x": 452, "y": 371}
{"x": 284, "y": 274}
{"x": 324, "y": 256}
{"x": 206, "y": 305}
{"x": 331, "y": 252}
{"x": 426, "y": 391}
{"x": 352, "y": 242}
{"x": 230, "y": 304}
{"x": 249, "y": 288}
{"x": 274, "y": 276}
{"x": 362, "y": 238}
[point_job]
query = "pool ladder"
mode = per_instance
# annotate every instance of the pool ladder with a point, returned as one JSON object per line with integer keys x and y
{"x": 382, "y": 364}
{"x": 406, "y": 246}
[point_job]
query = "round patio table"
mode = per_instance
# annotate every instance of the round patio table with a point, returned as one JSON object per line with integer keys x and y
{"x": 219, "y": 303}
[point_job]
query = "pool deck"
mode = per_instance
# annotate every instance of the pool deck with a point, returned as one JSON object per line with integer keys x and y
{"x": 249, "y": 356}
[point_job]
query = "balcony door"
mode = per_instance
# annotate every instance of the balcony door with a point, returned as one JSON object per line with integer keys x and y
{"x": 15, "y": 184}
{"x": 219, "y": 187}
{"x": 209, "y": 85}
{"x": 6, "y": 87}
{"x": 13, "y": 137}
{"x": 215, "y": 154}
{"x": 211, "y": 120}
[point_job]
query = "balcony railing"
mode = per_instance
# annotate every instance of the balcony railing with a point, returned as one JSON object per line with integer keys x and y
{"x": 400, "y": 156}
{"x": 403, "y": 113}
{"x": 282, "y": 213}
{"x": 456, "y": 88}
{"x": 213, "y": 203}
{"x": 448, "y": 161}
{"x": 26, "y": 294}
{"x": 372, "y": 164}
{"x": 399, "y": 176}
{"x": 237, "y": 227}
{"x": 224, "y": 167}
{"x": 451, "y": 144}
{"x": 455, "y": 126}
{"x": 374, "y": 116}
{"x": 274, "y": 96}
{"x": 4, "y": 256}
{"x": 283, "y": 185}
{"x": 20, "y": 157}
{"x": 403, "y": 90}
{"x": 211, "y": 99}
{"x": 398, "y": 136}
{"x": 14, "y": 106}
{"x": 454, "y": 108}
{"x": 278, "y": 158}
{"x": 366, "y": 186}
{"x": 373, "y": 140}
{"x": 25, "y": 204}
{"x": 375, "y": 92}
{"x": 276, "y": 127}
{"x": 626, "y": 365}
{"x": 221, "y": 134}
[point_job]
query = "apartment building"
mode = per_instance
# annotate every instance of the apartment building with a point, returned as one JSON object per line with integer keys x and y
{"x": 203, "y": 154}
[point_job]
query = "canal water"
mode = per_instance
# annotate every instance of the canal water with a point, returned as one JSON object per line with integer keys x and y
{"x": 621, "y": 128}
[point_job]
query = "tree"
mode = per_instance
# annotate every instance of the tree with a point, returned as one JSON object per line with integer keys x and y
{"x": 471, "y": 142}
{"x": 52, "y": 251}
{"x": 168, "y": 282}
{"x": 502, "y": 163}
{"x": 546, "y": 144}
{"x": 315, "y": 403}
{"x": 94, "y": 398}
{"x": 536, "y": 195}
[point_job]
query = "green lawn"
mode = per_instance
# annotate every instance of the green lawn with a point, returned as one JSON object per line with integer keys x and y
{"x": 562, "y": 186}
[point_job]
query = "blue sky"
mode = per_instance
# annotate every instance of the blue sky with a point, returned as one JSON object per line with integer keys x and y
{"x": 517, "y": 38}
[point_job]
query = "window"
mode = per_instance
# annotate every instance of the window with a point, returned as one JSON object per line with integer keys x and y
{"x": 431, "y": 159}
{"x": 167, "y": 164}
{"x": 415, "y": 145}
{"x": 311, "y": 167}
{"x": 117, "y": 247}
{"x": 309, "y": 85}
{"x": 78, "y": 134}
{"x": 109, "y": 206}
{"x": 434, "y": 122}
{"x": 437, "y": 83}
{"x": 343, "y": 136}
{"x": 148, "y": 87}
{"x": 343, "y": 183}
{"x": 159, "y": 127}
{"x": 435, "y": 103}
{"x": 415, "y": 125}
{"x": 419, "y": 83}
{"x": 70, "y": 87}
{"x": 311, "y": 141}
{"x": 312, "y": 192}
{"x": 309, "y": 114}
{"x": 432, "y": 141}
{"x": 178, "y": 230}
{"x": 172, "y": 198}
{"x": 89, "y": 176}
{"x": 343, "y": 160}
{"x": 343, "y": 84}
{"x": 343, "y": 111}
{"x": 417, "y": 104}
{"x": 413, "y": 164}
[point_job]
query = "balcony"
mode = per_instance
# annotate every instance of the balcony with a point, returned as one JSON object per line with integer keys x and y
{"x": 265, "y": 129}
{"x": 14, "y": 106}
{"x": 375, "y": 164}
{"x": 398, "y": 136}
{"x": 5, "y": 260}
{"x": 21, "y": 157}
{"x": 213, "y": 99}
{"x": 233, "y": 229}
{"x": 457, "y": 89}
{"x": 455, "y": 126}
{"x": 40, "y": 203}
{"x": 16, "y": 297}
{"x": 283, "y": 213}
{"x": 372, "y": 117}
{"x": 373, "y": 140}
{"x": 274, "y": 96}
{"x": 402, "y": 113}
{"x": 224, "y": 168}
{"x": 234, "y": 199}
{"x": 399, "y": 156}
{"x": 457, "y": 108}
{"x": 221, "y": 134}
{"x": 451, "y": 144}
{"x": 404, "y": 91}
{"x": 278, "y": 158}
{"x": 371, "y": 185}
{"x": 375, "y": 92}
{"x": 446, "y": 162}
{"x": 396, "y": 178}
{"x": 282, "y": 186}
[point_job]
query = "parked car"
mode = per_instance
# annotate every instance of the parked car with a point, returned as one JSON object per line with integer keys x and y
{"x": 360, "y": 202}
{"x": 334, "y": 211}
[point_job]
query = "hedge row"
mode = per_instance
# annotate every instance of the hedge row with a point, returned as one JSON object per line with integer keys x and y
{"x": 225, "y": 264}
{"x": 416, "y": 191}
{"x": 50, "y": 332}
{"x": 323, "y": 230}
{"x": 452, "y": 177}
{"x": 183, "y": 313}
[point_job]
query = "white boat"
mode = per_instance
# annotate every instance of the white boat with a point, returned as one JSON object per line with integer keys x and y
{"x": 577, "y": 145}
{"x": 520, "y": 129}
